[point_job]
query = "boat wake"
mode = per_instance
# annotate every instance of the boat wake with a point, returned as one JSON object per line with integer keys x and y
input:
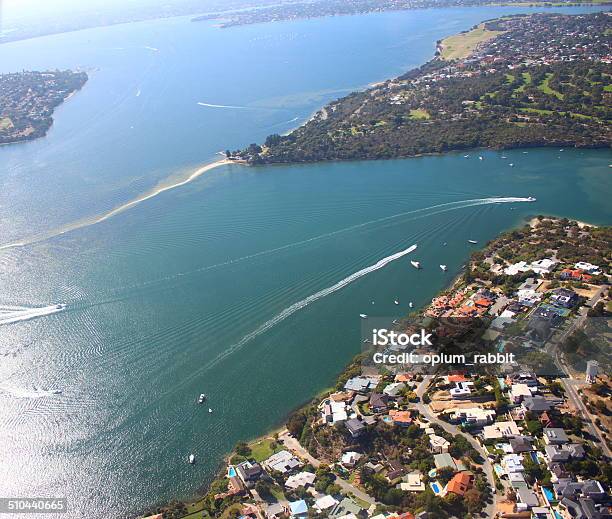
{"x": 210, "y": 105}
{"x": 15, "y": 314}
{"x": 20, "y": 392}
{"x": 290, "y": 310}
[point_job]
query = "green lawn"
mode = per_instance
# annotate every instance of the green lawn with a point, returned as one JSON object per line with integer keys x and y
{"x": 526, "y": 81}
{"x": 5, "y": 123}
{"x": 262, "y": 449}
{"x": 545, "y": 87}
{"x": 419, "y": 113}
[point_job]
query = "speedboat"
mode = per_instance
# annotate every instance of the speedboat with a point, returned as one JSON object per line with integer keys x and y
{"x": 415, "y": 264}
{"x": 394, "y": 321}
{"x": 209, "y": 410}
{"x": 202, "y": 398}
{"x": 466, "y": 156}
{"x": 363, "y": 316}
{"x": 396, "y": 302}
{"x": 504, "y": 157}
{"x": 480, "y": 157}
{"x": 472, "y": 241}
{"x": 410, "y": 304}
{"x": 444, "y": 244}
{"x": 511, "y": 165}
{"x": 191, "y": 459}
{"x": 444, "y": 267}
{"x": 531, "y": 199}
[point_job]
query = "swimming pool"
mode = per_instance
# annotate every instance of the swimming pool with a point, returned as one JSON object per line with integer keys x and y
{"x": 432, "y": 473}
{"x": 231, "y": 472}
{"x": 548, "y": 493}
{"x": 435, "y": 486}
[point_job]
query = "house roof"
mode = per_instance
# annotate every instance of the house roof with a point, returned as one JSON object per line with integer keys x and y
{"x": 460, "y": 483}
{"x": 400, "y": 416}
{"x": 444, "y": 460}
{"x": 528, "y": 497}
{"x": 298, "y": 507}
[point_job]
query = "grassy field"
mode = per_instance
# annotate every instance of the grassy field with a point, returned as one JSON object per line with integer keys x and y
{"x": 5, "y": 123}
{"x": 461, "y": 45}
{"x": 526, "y": 81}
{"x": 545, "y": 87}
{"x": 419, "y": 113}
{"x": 262, "y": 449}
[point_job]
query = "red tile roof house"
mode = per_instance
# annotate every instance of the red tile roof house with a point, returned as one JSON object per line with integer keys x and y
{"x": 460, "y": 483}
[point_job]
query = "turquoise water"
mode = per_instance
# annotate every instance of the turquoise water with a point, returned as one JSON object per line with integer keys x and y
{"x": 207, "y": 288}
{"x": 549, "y": 494}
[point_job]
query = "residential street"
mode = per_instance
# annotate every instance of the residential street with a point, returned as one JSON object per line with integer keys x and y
{"x": 294, "y": 446}
{"x": 491, "y": 508}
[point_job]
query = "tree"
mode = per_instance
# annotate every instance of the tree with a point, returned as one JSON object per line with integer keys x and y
{"x": 243, "y": 449}
{"x": 473, "y": 500}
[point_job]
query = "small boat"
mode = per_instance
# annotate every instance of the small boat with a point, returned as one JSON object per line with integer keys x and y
{"x": 372, "y": 302}
{"x": 191, "y": 459}
{"x": 366, "y": 341}
{"x": 444, "y": 267}
{"x": 201, "y": 398}
{"x": 444, "y": 244}
{"x": 531, "y": 199}
{"x": 525, "y": 152}
{"x": 504, "y": 157}
{"x": 363, "y": 316}
{"x": 466, "y": 156}
{"x": 561, "y": 150}
{"x": 394, "y": 321}
{"x": 472, "y": 241}
{"x": 480, "y": 157}
{"x": 209, "y": 410}
{"x": 410, "y": 304}
{"x": 415, "y": 264}
{"x": 511, "y": 165}
{"x": 396, "y": 302}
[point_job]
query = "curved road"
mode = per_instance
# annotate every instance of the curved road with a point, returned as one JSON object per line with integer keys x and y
{"x": 491, "y": 508}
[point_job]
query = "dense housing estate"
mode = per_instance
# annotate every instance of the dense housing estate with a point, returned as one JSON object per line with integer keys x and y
{"x": 524, "y": 80}
{"x": 28, "y": 99}
{"x": 518, "y": 441}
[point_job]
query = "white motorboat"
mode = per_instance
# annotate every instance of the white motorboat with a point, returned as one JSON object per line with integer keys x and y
{"x": 191, "y": 459}
{"x": 201, "y": 398}
{"x": 531, "y": 199}
{"x": 415, "y": 264}
{"x": 480, "y": 157}
{"x": 396, "y": 302}
{"x": 209, "y": 410}
{"x": 410, "y": 304}
{"x": 444, "y": 267}
{"x": 472, "y": 241}
{"x": 363, "y": 316}
{"x": 511, "y": 165}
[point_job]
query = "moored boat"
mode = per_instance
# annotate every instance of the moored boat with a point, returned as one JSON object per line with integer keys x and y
{"x": 415, "y": 264}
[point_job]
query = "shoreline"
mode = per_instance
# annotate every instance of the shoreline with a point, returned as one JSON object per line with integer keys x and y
{"x": 93, "y": 220}
{"x": 274, "y": 430}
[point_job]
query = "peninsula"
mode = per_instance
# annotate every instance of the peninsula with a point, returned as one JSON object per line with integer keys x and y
{"x": 513, "y": 441}
{"x": 28, "y": 99}
{"x": 319, "y": 8}
{"x": 516, "y": 81}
